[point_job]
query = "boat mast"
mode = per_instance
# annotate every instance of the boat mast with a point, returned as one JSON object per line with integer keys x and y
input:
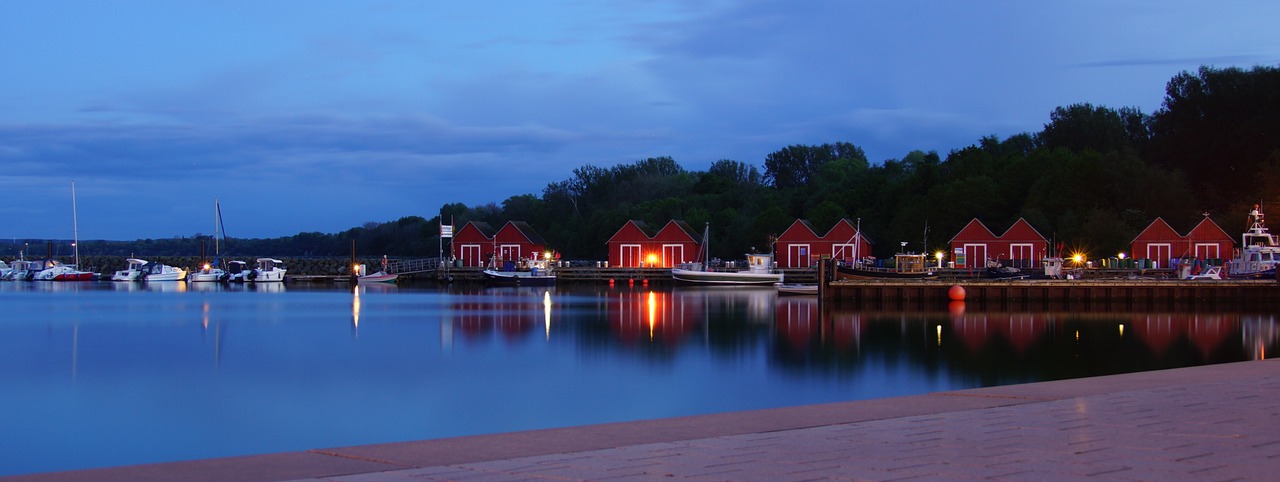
{"x": 217, "y": 216}
{"x": 75, "y": 225}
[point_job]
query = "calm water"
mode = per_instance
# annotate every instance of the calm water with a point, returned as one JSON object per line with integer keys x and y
{"x": 100, "y": 374}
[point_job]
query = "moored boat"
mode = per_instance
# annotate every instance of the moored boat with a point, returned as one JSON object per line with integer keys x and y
{"x": 142, "y": 270}
{"x": 212, "y": 271}
{"x": 906, "y": 266}
{"x": 237, "y": 271}
{"x": 535, "y": 272}
{"x": 759, "y": 269}
{"x": 1259, "y": 250}
{"x": 379, "y": 277}
{"x": 798, "y": 289}
{"x": 269, "y": 270}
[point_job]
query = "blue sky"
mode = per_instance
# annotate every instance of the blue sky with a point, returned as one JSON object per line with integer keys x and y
{"x": 322, "y": 116}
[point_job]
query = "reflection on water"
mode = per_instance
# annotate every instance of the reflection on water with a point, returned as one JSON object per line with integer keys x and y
{"x": 207, "y": 370}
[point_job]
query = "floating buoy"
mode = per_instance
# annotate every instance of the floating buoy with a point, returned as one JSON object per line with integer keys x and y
{"x": 956, "y": 308}
{"x": 610, "y": 281}
{"x": 956, "y": 293}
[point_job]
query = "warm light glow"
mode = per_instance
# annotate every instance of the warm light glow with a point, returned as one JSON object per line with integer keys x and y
{"x": 355, "y": 311}
{"x": 1121, "y": 329}
{"x": 546, "y": 311}
{"x": 653, "y": 313}
{"x": 939, "y": 255}
{"x": 206, "y": 267}
{"x": 1077, "y": 258}
{"x": 652, "y": 260}
{"x": 1121, "y": 255}
{"x": 939, "y": 335}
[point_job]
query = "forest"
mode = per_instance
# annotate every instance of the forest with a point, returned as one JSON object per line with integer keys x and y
{"x": 1091, "y": 179}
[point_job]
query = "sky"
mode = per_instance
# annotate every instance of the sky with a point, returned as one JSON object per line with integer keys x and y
{"x": 321, "y": 116}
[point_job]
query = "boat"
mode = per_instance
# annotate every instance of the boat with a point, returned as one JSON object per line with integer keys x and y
{"x": 21, "y": 269}
{"x": 212, "y": 271}
{"x": 143, "y": 270}
{"x": 1259, "y": 250}
{"x": 269, "y": 270}
{"x": 533, "y": 272}
{"x": 1210, "y": 273}
{"x": 5, "y": 270}
{"x": 798, "y": 289}
{"x": 237, "y": 271}
{"x": 906, "y": 266}
{"x": 759, "y": 269}
{"x": 382, "y": 276}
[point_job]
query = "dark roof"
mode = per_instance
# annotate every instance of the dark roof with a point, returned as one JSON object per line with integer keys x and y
{"x": 528, "y": 232}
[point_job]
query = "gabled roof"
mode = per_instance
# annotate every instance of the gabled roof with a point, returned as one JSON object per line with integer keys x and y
{"x": 484, "y": 228}
{"x": 799, "y": 229}
{"x": 1024, "y": 231}
{"x": 974, "y": 230}
{"x": 845, "y": 239}
{"x": 636, "y": 224}
{"x": 1158, "y": 229}
{"x": 1207, "y": 230}
{"x": 528, "y": 232}
{"x": 682, "y": 229}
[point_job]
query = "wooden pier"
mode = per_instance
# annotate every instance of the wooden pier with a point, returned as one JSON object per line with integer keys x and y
{"x": 1090, "y": 294}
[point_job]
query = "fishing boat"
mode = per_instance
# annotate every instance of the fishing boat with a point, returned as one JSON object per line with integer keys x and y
{"x": 269, "y": 270}
{"x": 534, "y": 272}
{"x": 906, "y": 266}
{"x": 1259, "y": 250}
{"x": 143, "y": 270}
{"x": 212, "y": 271}
{"x": 382, "y": 276}
{"x": 759, "y": 269}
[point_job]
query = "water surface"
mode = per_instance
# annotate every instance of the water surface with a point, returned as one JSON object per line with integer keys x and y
{"x": 103, "y": 374}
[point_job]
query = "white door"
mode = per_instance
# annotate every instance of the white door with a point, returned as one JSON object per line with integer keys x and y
{"x": 975, "y": 256}
{"x": 629, "y": 256}
{"x": 470, "y": 255}
{"x": 1022, "y": 255}
{"x": 1159, "y": 254}
{"x": 797, "y": 256}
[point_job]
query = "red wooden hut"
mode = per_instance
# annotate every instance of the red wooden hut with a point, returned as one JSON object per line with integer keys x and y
{"x": 473, "y": 244}
{"x": 517, "y": 241}
{"x": 1207, "y": 241}
{"x": 1021, "y": 246}
{"x": 635, "y": 245}
{"x": 800, "y": 246}
{"x": 1158, "y": 243}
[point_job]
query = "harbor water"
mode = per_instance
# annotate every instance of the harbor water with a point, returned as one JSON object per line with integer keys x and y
{"x": 101, "y": 374}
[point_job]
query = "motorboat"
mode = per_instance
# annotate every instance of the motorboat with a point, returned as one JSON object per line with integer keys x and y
{"x": 142, "y": 270}
{"x": 759, "y": 270}
{"x": 536, "y": 272}
{"x": 269, "y": 270}
{"x": 208, "y": 273}
{"x": 237, "y": 271}
{"x": 379, "y": 277}
{"x": 63, "y": 272}
{"x": 1259, "y": 250}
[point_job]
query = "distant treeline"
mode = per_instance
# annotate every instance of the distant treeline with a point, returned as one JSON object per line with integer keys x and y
{"x": 1091, "y": 179}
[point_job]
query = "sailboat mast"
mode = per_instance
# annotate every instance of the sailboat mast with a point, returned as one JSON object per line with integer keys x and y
{"x": 75, "y": 225}
{"x": 216, "y": 229}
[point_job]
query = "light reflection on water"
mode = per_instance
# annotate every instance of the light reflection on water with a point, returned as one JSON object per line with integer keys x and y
{"x": 99, "y": 374}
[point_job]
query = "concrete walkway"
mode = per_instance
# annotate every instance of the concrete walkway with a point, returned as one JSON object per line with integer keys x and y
{"x": 1219, "y": 422}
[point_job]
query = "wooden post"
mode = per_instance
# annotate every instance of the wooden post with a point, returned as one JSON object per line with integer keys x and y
{"x": 824, "y": 267}
{"x": 354, "y": 278}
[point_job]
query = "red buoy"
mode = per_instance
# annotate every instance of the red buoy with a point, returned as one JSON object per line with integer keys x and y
{"x": 956, "y": 293}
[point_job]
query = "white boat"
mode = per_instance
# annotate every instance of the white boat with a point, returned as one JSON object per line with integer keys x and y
{"x": 212, "y": 272}
{"x": 379, "y": 277}
{"x": 1211, "y": 273}
{"x": 55, "y": 271}
{"x": 4, "y": 270}
{"x": 237, "y": 271}
{"x": 269, "y": 270}
{"x": 536, "y": 272}
{"x": 142, "y": 270}
{"x": 1259, "y": 250}
{"x": 21, "y": 270}
{"x": 759, "y": 270}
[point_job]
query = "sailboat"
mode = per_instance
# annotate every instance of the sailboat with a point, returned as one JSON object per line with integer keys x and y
{"x": 55, "y": 271}
{"x": 759, "y": 272}
{"x": 212, "y": 272}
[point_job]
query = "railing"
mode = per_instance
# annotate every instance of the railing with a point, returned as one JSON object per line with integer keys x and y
{"x": 406, "y": 266}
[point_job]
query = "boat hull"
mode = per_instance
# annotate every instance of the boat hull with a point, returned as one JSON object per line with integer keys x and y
{"x": 522, "y": 278}
{"x": 725, "y": 277}
{"x": 797, "y": 290}
{"x": 212, "y": 276}
{"x": 378, "y": 277}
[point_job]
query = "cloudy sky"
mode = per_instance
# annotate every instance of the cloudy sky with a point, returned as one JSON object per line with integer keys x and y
{"x": 316, "y": 115}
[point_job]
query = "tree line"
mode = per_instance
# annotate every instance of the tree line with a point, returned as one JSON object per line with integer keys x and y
{"x": 1091, "y": 179}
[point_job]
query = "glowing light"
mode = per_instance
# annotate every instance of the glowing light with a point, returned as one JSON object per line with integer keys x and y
{"x": 938, "y": 255}
{"x": 652, "y": 260}
{"x": 939, "y": 335}
{"x": 355, "y": 311}
{"x": 546, "y": 311}
{"x": 1077, "y": 258}
{"x": 1121, "y": 255}
{"x": 653, "y": 313}
{"x": 1121, "y": 329}
{"x": 206, "y": 267}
